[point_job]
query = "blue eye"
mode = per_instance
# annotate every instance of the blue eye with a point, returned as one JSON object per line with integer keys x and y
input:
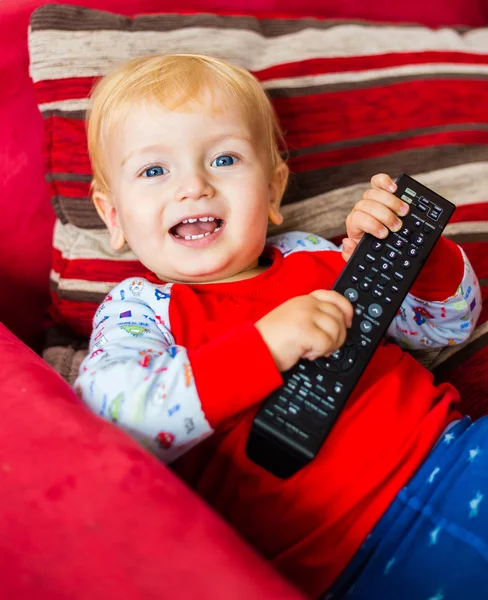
{"x": 154, "y": 172}
{"x": 224, "y": 161}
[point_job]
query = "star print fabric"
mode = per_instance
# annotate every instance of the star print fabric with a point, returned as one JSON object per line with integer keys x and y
{"x": 432, "y": 543}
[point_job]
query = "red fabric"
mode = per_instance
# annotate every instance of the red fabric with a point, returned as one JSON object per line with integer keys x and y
{"x": 87, "y": 513}
{"x": 308, "y": 529}
{"x": 26, "y": 226}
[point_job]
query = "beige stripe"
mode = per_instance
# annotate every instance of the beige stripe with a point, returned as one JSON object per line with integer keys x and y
{"x": 294, "y": 86}
{"x": 325, "y": 214}
{"x": 86, "y": 243}
{"x": 87, "y": 54}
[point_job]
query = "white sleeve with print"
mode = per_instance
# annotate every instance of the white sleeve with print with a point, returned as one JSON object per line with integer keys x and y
{"x": 136, "y": 376}
{"x": 418, "y": 323}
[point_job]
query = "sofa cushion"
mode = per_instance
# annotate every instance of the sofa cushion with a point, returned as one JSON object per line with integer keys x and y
{"x": 353, "y": 98}
{"x": 85, "y": 512}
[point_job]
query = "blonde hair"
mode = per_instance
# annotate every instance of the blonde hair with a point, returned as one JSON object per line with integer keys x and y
{"x": 174, "y": 80}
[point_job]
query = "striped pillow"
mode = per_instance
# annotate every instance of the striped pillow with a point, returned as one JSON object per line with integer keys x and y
{"x": 354, "y": 98}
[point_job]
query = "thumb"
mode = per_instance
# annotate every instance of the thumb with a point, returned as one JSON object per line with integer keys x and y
{"x": 348, "y": 247}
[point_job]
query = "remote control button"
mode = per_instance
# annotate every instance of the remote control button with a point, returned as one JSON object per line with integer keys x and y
{"x": 405, "y": 264}
{"x": 413, "y": 251}
{"x": 324, "y": 405}
{"x": 434, "y": 214}
{"x": 351, "y": 294}
{"x": 385, "y": 266}
{"x": 377, "y": 293}
{"x": 384, "y": 280}
{"x": 337, "y": 355}
{"x": 365, "y": 326}
{"x": 417, "y": 223}
{"x": 363, "y": 344}
{"x": 309, "y": 407}
{"x": 422, "y": 207}
{"x": 330, "y": 366}
{"x": 375, "y": 310}
{"x": 303, "y": 435}
{"x": 279, "y": 421}
{"x": 398, "y": 276}
{"x": 354, "y": 278}
{"x": 405, "y": 231}
{"x": 361, "y": 268}
{"x": 391, "y": 254}
{"x": 321, "y": 389}
{"x": 269, "y": 414}
{"x": 369, "y": 258}
{"x": 418, "y": 240}
{"x": 388, "y": 300}
{"x": 398, "y": 243}
{"x": 282, "y": 401}
{"x": 372, "y": 274}
{"x": 365, "y": 285}
{"x": 314, "y": 398}
{"x": 280, "y": 410}
{"x": 424, "y": 200}
{"x": 348, "y": 364}
{"x": 293, "y": 409}
{"x": 376, "y": 245}
{"x": 321, "y": 415}
{"x": 427, "y": 229}
{"x": 394, "y": 289}
{"x": 358, "y": 311}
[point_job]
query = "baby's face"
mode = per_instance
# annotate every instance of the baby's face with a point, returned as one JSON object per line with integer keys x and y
{"x": 191, "y": 191}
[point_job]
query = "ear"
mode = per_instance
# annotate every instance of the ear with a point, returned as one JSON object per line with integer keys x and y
{"x": 277, "y": 185}
{"x": 108, "y": 213}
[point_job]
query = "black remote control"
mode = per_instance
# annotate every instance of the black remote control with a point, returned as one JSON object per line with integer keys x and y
{"x": 293, "y": 422}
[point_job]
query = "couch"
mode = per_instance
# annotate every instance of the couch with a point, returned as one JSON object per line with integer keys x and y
{"x": 84, "y": 511}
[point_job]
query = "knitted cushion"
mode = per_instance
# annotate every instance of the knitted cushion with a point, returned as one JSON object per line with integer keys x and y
{"x": 354, "y": 99}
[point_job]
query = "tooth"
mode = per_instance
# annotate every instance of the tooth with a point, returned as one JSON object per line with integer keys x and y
{"x": 187, "y": 237}
{"x": 211, "y": 218}
{"x": 192, "y": 220}
{"x": 217, "y": 229}
{"x": 185, "y": 221}
{"x": 205, "y": 234}
{"x": 204, "y": 219}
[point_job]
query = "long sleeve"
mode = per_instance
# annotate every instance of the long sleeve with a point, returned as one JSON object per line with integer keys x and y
{"x": 138, "y": 377}
{"x": 444, "y": 303}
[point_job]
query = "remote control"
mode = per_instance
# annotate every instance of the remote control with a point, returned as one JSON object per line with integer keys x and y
{"x": 293, "y": 422}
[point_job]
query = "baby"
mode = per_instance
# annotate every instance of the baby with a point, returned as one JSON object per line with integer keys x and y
{"x": 188, "y": 170}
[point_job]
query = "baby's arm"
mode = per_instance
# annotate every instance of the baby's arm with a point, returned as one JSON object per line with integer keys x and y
{"x": 136, "y": 376}
{"x": 443, "y": 305}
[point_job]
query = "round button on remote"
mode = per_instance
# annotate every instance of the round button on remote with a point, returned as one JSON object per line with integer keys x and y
{"x": 365, "y": 326}
{"x": 375, "y": 310}
{"x": 351, "y": 294}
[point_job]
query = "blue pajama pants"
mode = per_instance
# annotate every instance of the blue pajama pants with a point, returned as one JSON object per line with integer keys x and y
{"x": 432, "y": 543}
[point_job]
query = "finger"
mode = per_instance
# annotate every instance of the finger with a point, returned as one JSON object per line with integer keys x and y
{"x": 390, "y": 200}
{"x": 336, "y": 299}
{"x": 384, "y": 182}
{"x": 348, "y": 247}
{"x": 333, "y": 327}
{"x": 358, "y": 223}
{"x": 380, "y": 212}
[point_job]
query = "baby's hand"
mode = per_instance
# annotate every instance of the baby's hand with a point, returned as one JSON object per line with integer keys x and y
{"x": 375, "y": 213}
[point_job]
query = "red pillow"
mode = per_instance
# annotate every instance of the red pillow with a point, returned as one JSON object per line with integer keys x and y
{"x": 27, "y": 218}
{"x": 85, "y": 512}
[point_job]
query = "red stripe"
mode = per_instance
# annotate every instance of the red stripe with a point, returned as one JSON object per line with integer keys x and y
{"x": 70, "y": 189}
{"x": 330, "y": 117}
{"x": 471, "y": 212}
{"x": 322, "y": 160}
{"x": 96, "y": 269}
{"x": 77, "y": 315}
{"x": 76, "y": 88}
{"x": 344, "y": 64}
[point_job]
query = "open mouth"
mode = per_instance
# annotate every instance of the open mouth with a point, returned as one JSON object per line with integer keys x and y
{"x": 197, "y": 228}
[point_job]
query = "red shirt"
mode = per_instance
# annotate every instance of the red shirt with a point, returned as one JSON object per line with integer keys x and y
{"x": 310, "y": 525}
